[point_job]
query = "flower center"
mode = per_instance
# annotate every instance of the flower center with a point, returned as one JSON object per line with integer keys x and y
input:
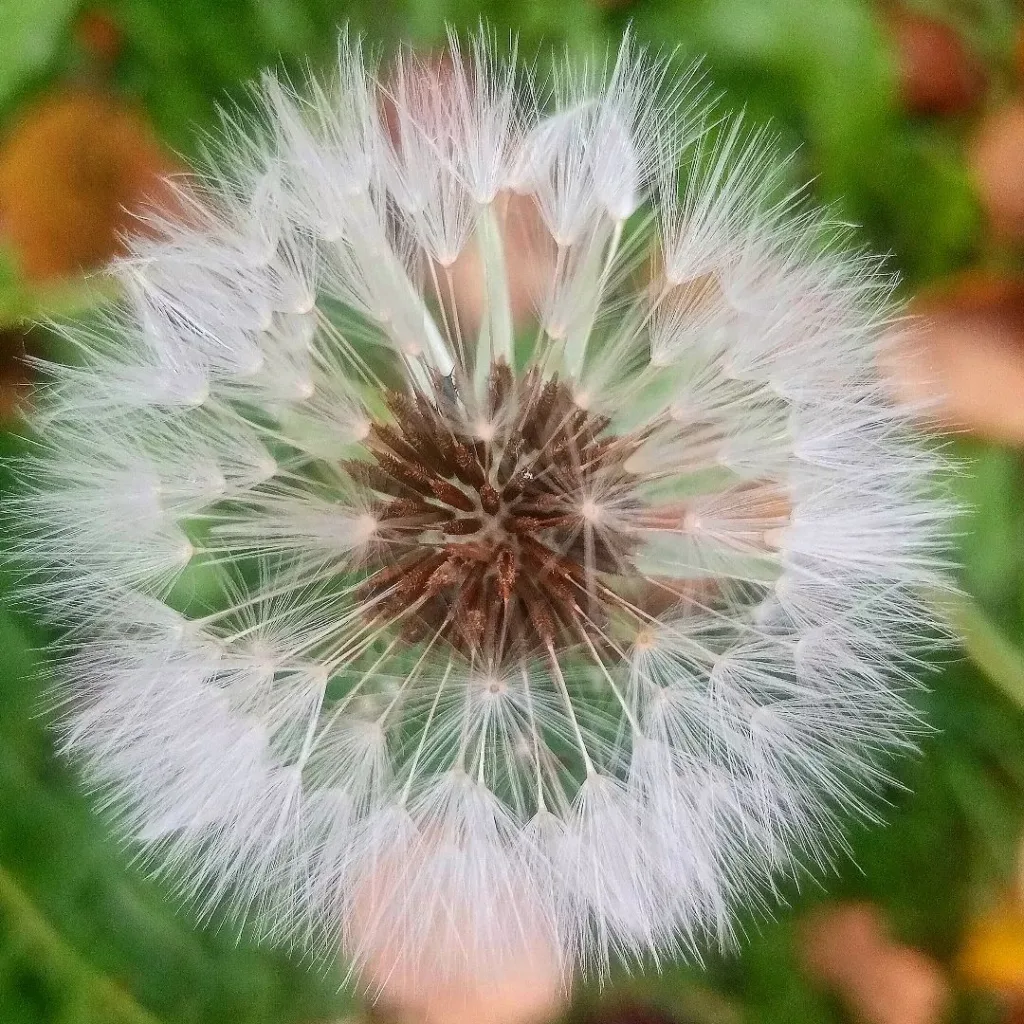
{"x": 497, "y": 524}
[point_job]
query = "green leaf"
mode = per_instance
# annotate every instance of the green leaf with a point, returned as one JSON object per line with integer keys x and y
{"x": 21, "y": 305}
{"x": 42, "y": 970}
{"x": 31, "y": 34}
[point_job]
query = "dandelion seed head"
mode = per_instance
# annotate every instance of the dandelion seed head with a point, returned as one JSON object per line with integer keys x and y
{"x": 434, "y": 638}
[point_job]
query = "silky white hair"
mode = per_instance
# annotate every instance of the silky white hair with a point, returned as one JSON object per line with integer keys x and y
{"x": 273, "y": 743}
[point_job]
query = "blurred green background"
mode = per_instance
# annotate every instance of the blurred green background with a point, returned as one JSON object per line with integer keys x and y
{"x": 909, "y": 121}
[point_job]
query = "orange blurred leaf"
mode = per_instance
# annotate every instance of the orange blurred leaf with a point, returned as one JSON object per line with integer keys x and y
{"x": 992, "y": 953}
{"x": 71, "y": 172}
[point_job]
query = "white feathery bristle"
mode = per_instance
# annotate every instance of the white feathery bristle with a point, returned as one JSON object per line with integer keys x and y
{"x": 427, "y": 638}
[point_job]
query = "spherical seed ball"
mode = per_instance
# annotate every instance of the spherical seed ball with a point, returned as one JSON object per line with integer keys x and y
{"x": 389, "y": 623}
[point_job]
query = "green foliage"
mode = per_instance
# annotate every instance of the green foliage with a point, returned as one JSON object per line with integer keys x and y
{"x": 31, "y": 33}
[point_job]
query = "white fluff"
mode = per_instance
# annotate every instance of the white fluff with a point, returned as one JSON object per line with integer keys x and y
{"x": 279, "y": 750}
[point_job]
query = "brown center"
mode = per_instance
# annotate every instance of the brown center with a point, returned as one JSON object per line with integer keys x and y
{"x": 496, "y": 524}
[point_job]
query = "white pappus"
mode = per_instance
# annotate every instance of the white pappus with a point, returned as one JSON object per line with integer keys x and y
{"x": 427, "y": 638}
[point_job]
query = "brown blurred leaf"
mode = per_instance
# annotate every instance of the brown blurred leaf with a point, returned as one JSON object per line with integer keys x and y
{"x": 996, "y": 160}
{"x": 847, "y": 948}
{"x": 938, "y": 72}
{"x": 99, "y": 35}
{"x": 629, "y": 1013}
{"x": 1018, "y": 54}
{"x": 964, "y": 357}
{"x": 71, "y": 171}
{"x": 14, "y": 373}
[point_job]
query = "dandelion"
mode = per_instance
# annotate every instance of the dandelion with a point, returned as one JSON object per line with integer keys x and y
{"x": 432, "y": 638}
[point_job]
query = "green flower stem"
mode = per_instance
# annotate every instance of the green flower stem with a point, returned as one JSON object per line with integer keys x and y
{"x": 496, "y": 331}
{"x": 1000, "y": 660}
